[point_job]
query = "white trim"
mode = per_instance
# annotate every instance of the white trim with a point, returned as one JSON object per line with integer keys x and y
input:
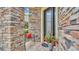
{"x": 56, "y": 23}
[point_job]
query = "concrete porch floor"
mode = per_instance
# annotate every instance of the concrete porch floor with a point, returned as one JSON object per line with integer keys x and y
{"x": 37, "y": 47}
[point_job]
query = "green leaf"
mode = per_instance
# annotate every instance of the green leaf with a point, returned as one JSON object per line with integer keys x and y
{"x": 24, "y": 39}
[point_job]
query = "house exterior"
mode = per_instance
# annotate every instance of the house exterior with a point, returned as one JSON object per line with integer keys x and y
{"x": 62, "y": 22}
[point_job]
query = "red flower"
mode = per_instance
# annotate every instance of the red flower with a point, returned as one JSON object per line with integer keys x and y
{"x": 28, "y": 35}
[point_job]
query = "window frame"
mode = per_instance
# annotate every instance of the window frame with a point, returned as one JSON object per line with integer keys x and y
{"x": 52, "y": 19}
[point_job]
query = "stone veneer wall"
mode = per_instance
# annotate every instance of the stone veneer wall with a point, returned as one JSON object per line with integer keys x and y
{"x": 35, "y": 22}
{"x": 11, "y": 21}
{"x": 68, "y": 28}
{"x": 4, "y": 29}
{"x": 17, "y": 17}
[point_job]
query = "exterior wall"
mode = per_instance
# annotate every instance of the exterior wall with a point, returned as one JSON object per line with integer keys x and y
{"x": 17, "y": 17}
{"x": 69, "y": 28}
{"x": 4, "y": 29}
{"x": 35, "y": 22}
{"x": 10, "y": 22}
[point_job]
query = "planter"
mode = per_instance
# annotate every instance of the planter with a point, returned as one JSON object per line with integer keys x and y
{"x": 29, "y": 44}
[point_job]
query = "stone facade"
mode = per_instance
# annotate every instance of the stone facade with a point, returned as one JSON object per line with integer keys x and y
{"x": 35, "y": 22}
{"x": 68, "y": 18}
{"x": 11, "y": 23}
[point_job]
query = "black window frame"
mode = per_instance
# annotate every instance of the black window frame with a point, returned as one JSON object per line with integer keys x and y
{"x": 52, "y": 18}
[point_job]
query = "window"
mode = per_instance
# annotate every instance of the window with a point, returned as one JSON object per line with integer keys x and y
{"x": 49, "y": 21}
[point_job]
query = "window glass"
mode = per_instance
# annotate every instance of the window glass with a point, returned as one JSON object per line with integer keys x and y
{"x": 48, "y": 21}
